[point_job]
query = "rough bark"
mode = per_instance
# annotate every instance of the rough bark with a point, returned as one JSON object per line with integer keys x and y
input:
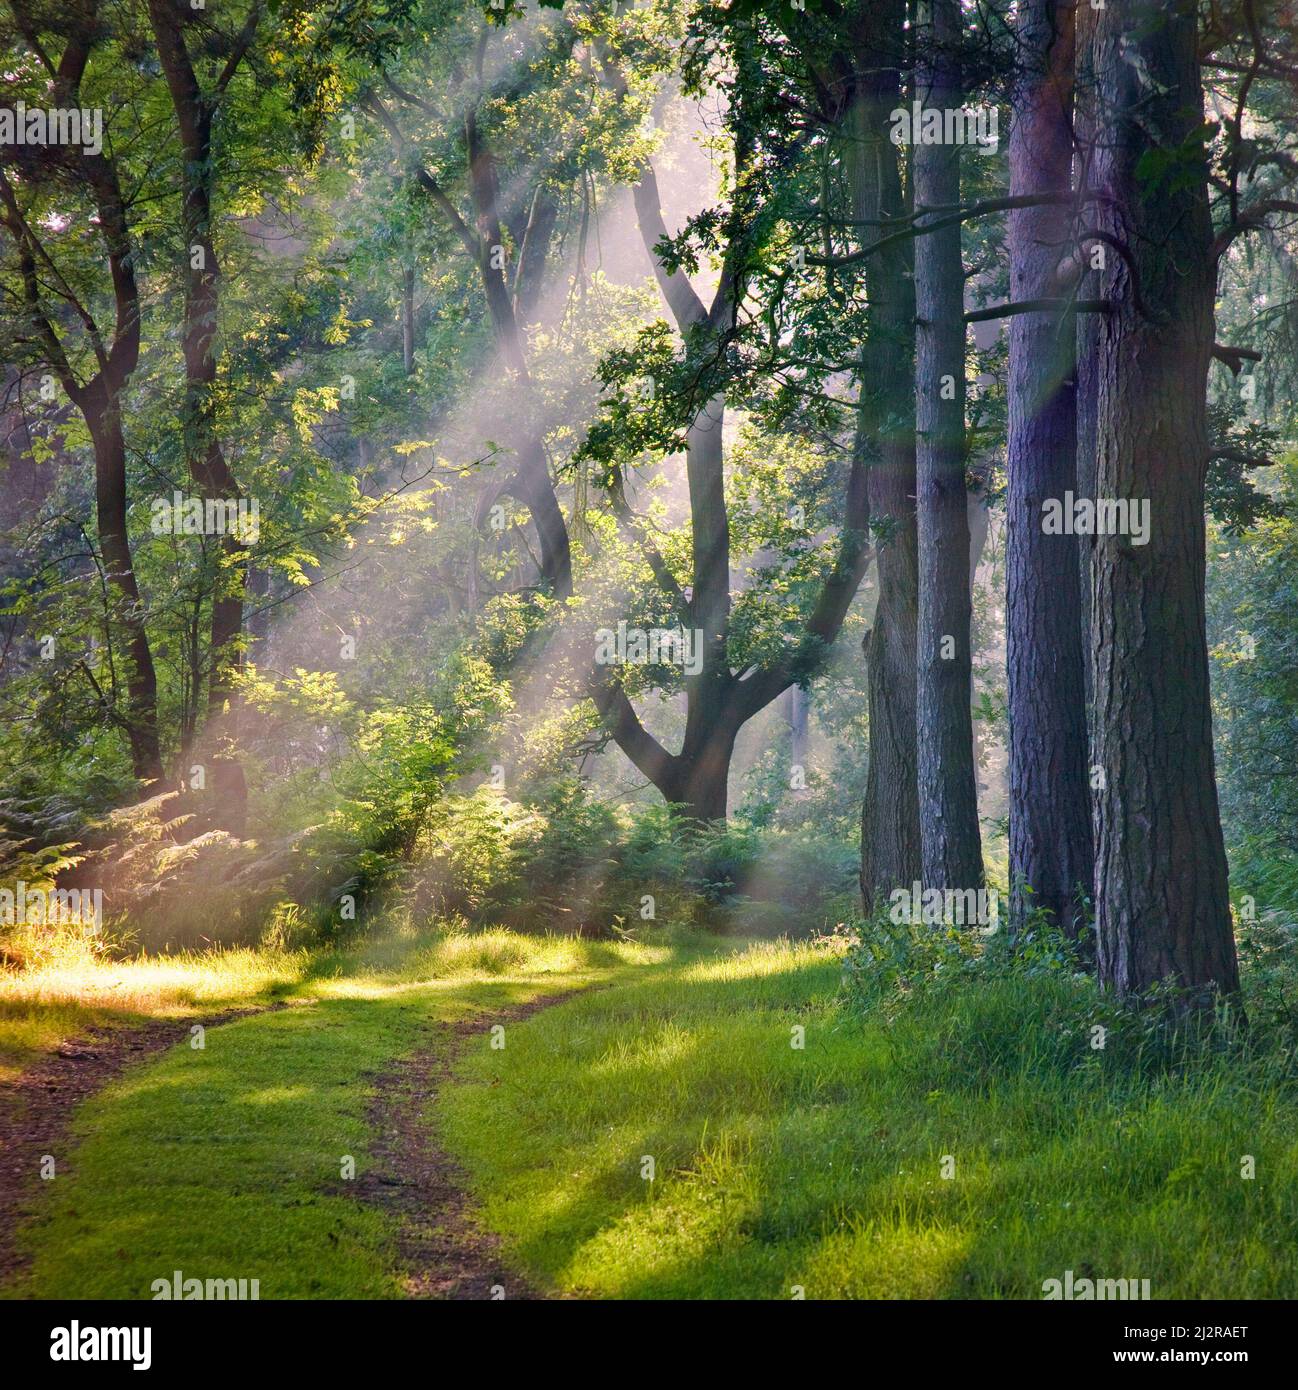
{"x": 1161, "y": 885}
{"x": 947, "y": 790}
{"x": 1050, "y": 833}
{"x": 890, "y": 834}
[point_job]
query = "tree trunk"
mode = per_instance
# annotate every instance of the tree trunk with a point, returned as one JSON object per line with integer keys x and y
{"x": 947, "y": 789}
{"x": 1161, "y": 886}
{"x": 701, "y": 775}
{"x": 534, "y": 252}
{"x": 1050, "y": 833}
{"x": 1089, "y": 327}
{"x": 100, "y": 398}
{"x": 103, "y": 416}
{"x": 207, "y": 464}
{"x": 408, "y": 319}
{"x": 890, "y": 834}
{"x": 798, "y": 713}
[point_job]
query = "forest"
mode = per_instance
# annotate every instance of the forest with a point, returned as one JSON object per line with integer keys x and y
{"x": 648, "y": 651}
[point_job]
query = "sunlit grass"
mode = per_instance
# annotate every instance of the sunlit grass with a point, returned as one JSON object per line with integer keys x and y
{"x": 226, "y": 1162}
{"x": 782, "y": 1171}
{"x": 76, "y": 989}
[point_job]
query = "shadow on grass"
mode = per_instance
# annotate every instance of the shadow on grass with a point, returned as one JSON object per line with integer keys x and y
{"x": 221, "y": 1161}
{"x": 972, "y": 1146}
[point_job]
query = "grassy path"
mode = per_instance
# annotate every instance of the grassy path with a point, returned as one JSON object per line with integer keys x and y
{"x": 235, "y": 1160}
{"x": 717, "y": 1123}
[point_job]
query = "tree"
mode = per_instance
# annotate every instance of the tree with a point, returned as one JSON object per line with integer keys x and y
{"x": 460, "y": 116}
{"x": 94, "y": 368}
{"x": 1160, "y": 864}
{"x": 875, "y": 55}
{"x": 1050, "y": 832}
{"x": 726, "y": 692}
{"x": 196, "y": 111}
{"x": 948, "y": 796}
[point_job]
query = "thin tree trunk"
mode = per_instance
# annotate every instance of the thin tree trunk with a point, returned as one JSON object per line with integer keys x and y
{"x": 947, "y": 789}
{"x": 100, "y": 402}
{"x": 408, "y": 319}
{"x": 1050, "y": 833}
{"x": 103, "y": 416}
{"x": 798, "y": 714}
{"x": 207, "y": 464}
{"x": 534, "y": 252}
{"x": 1161, "y": 885}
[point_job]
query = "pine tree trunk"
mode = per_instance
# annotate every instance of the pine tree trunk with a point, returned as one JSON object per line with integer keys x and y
{"x": 1050, "y": 831}
{"x": 947, "y": 789}
{"x": 1161, "y": 886}
{"x": 890, "y": 835}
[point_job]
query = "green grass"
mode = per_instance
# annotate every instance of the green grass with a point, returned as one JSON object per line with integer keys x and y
{"x": 820, "y": 1169}
{"x": 226, "y": 1162}
{"x": 776, "y": 1168}
{"x": 77, "y": 990}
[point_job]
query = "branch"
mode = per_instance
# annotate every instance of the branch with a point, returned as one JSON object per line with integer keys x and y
{"x": 426, "y": 180}
{"x": 687, "y": 308}
{"x": 27, "y": 246}
{"x": 1239, "y": 456}
{"x": 985, "y": 208}
{"x": 661, "y": 571}
{"x": 240, "y": 50}
{"x": 1250, "y": 220}
{"x": 626, "y": 730}
{"x": 1235, "y": 357}
{"x": 1039, "y": 306}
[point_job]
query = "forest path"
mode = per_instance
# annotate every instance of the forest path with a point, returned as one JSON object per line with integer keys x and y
{"x": 443, "y": 1251}
{"x": 37, "y": 1107}
{"x": 293, "y": 1147}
